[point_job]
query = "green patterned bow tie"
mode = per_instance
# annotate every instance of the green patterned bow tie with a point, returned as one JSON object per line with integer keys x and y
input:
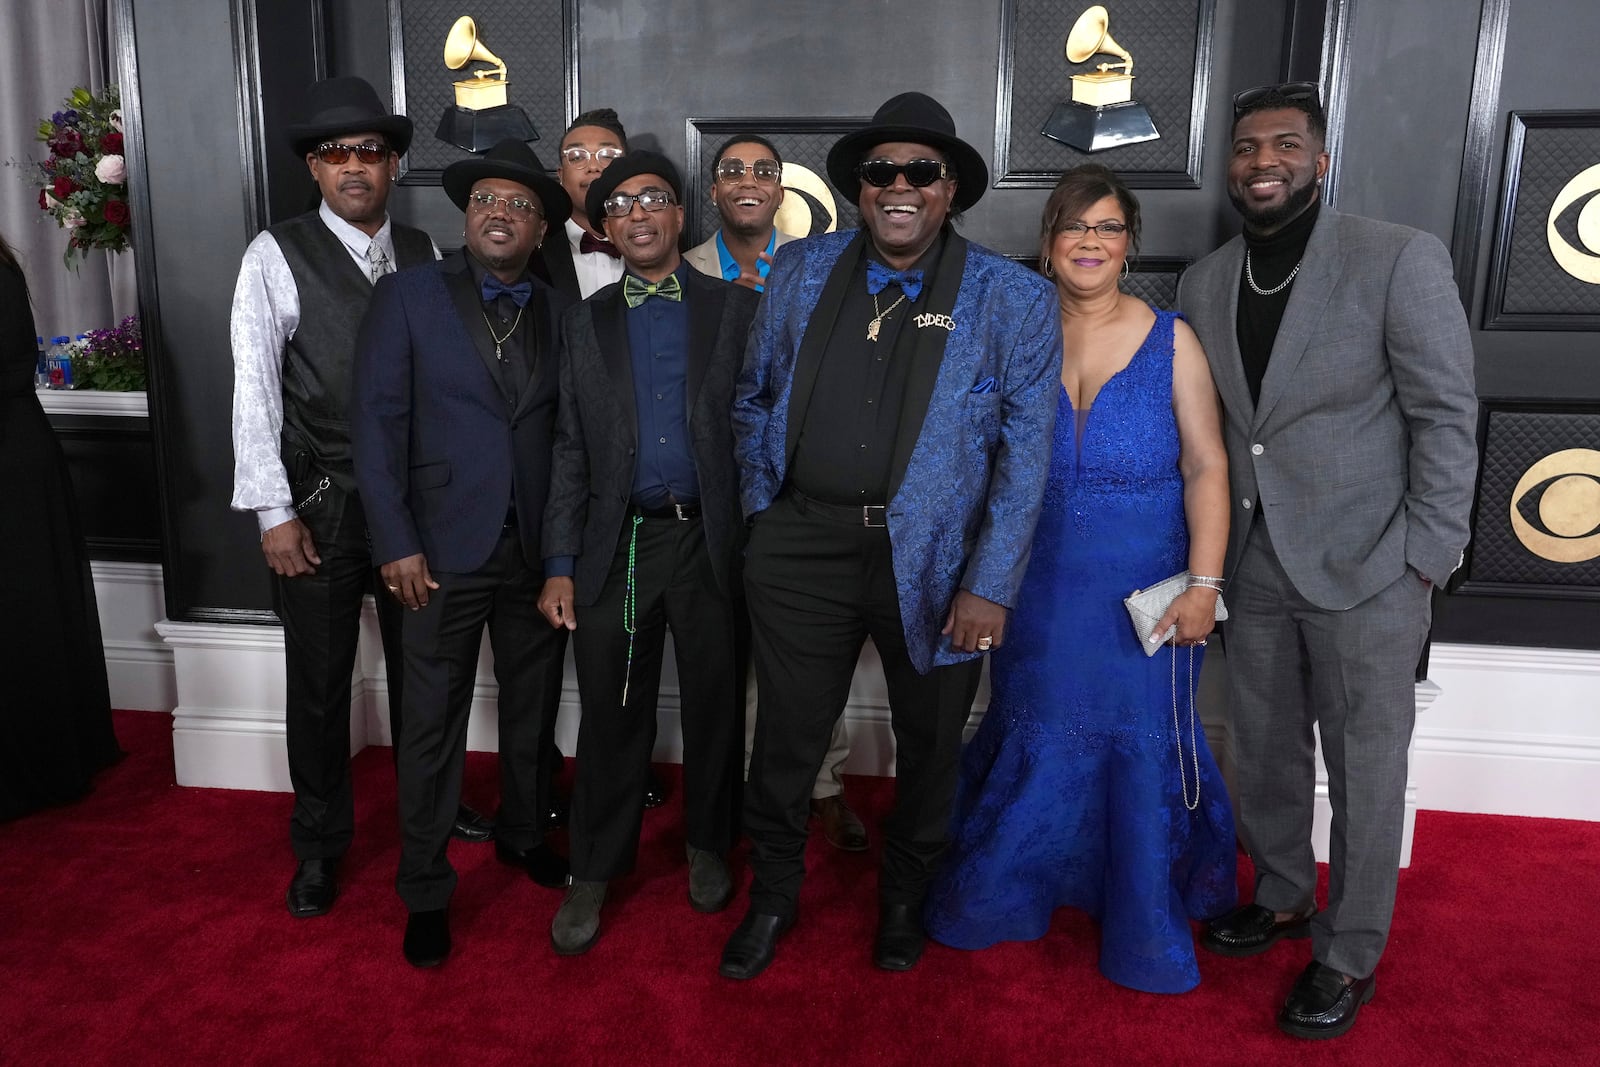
{"x": 636, "y": 290}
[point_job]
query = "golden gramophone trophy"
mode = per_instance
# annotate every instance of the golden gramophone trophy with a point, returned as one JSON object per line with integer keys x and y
{"x": 1102, "y": 112}
{"x": 480, "y": 117}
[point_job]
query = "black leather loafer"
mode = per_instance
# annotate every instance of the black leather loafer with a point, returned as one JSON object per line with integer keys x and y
{"x": 313, "y": 888}
{"x": 427, "y": 940}
{"x": 544, "y": 864}
{"x": 655, "y": 794}
{"x": 471, "y": 825}
{"x": 751, "y": 947}
{"x": 900, "y": 939}
{"x": 1250, "y": 928}
{"x": 1322, "y": 1004}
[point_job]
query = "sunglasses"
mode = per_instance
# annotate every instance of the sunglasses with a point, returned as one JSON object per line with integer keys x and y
{"x": 919, "y": 172}
{"x": 765, "y": 170}
{"x": 335, "y": 153}
{"x": 621, "y": 205}
{"x": 517, "y": 207}
{"x": 1287, "y": 90}
{"x": 576, "y": 156}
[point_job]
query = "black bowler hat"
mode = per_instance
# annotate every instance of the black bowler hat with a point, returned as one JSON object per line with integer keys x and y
{"x": 337, "y": 106}
{"x": 514, "y": 161}
{"x": 919, "y": 119}
{"x": 621, "y": 169}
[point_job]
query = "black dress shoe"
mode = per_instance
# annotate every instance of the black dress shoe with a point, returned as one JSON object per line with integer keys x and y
{"x": 427, "y": 938}
{"x": 750, "y": 949}
{"x": 1250, "y": 928}
{"x": 1322, "y": 1004}
{"x": 655, "y": 794}
{"x": 313, "y": 888}
{"x": 472, "y": 826}
{"x": 544, "y": 864}
{"x": 900, "y": 939}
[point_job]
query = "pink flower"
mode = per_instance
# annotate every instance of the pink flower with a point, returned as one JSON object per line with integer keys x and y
{"x": 113, "y": 170}
{"x": 116, "y": 120}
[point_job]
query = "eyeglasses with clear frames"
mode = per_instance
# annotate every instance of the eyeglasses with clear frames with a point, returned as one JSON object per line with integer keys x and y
{"x": 765, "y": 170}
{"x": 1105, "y": 230}
{"x": 576, "y": 155}
{"x": 517, "y": 207}
{"x": 335, "y": 153}
{"x": 621, "y": 205}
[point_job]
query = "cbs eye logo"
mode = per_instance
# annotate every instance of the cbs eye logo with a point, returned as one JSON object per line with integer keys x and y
{"x": 1581, "y": 260}
{"x": 1555, "y": 508}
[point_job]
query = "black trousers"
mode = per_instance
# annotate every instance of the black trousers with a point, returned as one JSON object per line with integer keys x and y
{"x": 817, "y": 588}
{"x": 321, "y": 615}
{"x": 440, "y": 650}
{"x": 673, "y": 588}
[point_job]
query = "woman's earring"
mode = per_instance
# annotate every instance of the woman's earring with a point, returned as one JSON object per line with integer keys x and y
{"x": 1125, "y": 270}
{"x": 1049, "y": 268}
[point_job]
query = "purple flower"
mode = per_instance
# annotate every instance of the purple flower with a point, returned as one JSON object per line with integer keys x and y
{"x": 68, "y": 117}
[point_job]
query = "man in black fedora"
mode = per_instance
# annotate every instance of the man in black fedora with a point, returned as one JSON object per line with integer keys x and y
{"x": 303, "y": 286}
{"x": 643, "y": 534}
{"x": 892, "y": 424}
{"x": 453, "y": 415}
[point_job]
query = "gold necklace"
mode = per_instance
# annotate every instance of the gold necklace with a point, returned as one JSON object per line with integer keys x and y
{"x": 498, "y": 339}
{"x": 877, "y": 320}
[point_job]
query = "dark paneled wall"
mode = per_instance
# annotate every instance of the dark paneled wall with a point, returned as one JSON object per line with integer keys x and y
{"x": 1407, "y": 69}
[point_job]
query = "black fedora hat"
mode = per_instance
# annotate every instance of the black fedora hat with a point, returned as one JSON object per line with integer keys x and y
{"x": 347, "y": 105}
{"x": 621, "y": 169}
{"x": 514, "y": 161}
{"x": 916, "y": 118}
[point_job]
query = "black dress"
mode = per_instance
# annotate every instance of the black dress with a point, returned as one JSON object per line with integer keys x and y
{"x": 55, "y": 706}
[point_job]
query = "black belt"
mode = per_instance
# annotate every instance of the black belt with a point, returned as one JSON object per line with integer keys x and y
{"x": 680, "y": 512}
{"x": 871, "y": 516}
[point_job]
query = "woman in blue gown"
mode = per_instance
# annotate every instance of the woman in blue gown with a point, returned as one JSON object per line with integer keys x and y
{"x": 1089, "y": 783}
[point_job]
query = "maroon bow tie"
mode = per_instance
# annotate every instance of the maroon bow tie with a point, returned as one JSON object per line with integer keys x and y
{"x": 591, "y": 243}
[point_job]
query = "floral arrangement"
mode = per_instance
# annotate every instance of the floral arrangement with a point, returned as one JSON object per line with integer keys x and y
{"x": 85, "y": 185}
{"x": 112, "y": 359}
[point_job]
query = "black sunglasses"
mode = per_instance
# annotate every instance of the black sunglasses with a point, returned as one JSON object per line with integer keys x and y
{"x": 1287, "y": 90}
{"x": 335, "y": 153}
{"x": 918, "y": 172}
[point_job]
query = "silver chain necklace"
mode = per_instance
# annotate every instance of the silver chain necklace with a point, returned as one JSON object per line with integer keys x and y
{"x": 1250, "y": 277}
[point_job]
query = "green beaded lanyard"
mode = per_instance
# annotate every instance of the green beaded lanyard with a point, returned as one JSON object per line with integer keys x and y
{"x": 630, "y": 604}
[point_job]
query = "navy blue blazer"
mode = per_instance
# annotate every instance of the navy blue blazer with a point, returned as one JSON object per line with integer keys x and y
{"x": 438, "y": 450}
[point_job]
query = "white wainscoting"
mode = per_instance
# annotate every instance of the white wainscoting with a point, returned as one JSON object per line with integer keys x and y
{"x": 138, "y": 661}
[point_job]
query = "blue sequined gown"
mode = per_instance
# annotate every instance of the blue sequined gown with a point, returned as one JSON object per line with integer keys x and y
{"x": 1070, "y": 792}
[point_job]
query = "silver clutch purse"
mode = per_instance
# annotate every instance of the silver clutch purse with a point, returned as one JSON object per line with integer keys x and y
{"x": 1146, "y": 606}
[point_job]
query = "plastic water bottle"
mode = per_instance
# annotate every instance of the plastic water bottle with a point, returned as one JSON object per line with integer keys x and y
{"x": 60, "y": 362}
{"x": 41, "y": 368}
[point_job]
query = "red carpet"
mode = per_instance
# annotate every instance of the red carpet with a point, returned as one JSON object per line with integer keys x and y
{"x": 146, "y": 925}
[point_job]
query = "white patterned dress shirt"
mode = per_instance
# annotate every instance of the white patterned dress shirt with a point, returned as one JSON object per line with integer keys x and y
{"x": 266, "y": 313}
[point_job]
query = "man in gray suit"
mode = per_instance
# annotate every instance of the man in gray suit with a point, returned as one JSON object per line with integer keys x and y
{"x": 1342, "y": 357}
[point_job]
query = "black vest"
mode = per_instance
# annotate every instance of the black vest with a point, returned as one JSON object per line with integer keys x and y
{"x": 317, "y": 360}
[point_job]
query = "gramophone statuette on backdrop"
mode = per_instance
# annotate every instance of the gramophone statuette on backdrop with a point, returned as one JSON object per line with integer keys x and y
{"x": 1102, "y": 112}
{"x": 482, "y": 115}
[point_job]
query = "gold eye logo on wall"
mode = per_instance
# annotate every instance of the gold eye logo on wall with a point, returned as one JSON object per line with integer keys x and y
{"x": 1582, "y": 263}
{"x": 1561, "y": 497}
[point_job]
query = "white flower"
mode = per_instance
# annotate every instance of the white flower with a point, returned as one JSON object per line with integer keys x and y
{"x": 116, "y": 120}
{"x": 51, "y": 201}
{"x": 113, "y": 170}
{"x": 74, "y": 220}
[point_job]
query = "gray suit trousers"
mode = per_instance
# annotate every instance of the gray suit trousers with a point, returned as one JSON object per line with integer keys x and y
{"x": 1351, "y": 672}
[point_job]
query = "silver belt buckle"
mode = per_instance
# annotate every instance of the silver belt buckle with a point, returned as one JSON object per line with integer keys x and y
{"x": 867, "y": 516}
{"x": 677, "y": 509}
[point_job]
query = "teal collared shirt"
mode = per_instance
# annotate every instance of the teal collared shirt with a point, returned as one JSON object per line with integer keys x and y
{"x": 730, "y": 266}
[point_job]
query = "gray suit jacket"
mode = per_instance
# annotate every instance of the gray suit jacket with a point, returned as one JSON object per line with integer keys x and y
{"x": 703, "y": 256}
{"x": 1362, "y": 451}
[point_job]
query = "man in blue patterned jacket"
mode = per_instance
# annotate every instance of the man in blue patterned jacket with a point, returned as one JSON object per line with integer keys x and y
{"x": 892, "y": 426}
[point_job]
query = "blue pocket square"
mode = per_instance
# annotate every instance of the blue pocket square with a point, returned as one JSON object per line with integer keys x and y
{"x": 988, "y": 385}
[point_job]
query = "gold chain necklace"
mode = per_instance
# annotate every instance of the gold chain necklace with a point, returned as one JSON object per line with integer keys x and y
{"x": 498, "y": 339}
{"x": 877, "y": 320}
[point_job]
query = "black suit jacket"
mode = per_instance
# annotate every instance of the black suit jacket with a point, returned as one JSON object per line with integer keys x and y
{"x": 597, "y": 432}
{"x": 553, "y": 264}
{"x": 438, "y": 449}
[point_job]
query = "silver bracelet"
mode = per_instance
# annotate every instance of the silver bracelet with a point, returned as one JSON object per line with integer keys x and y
{"x": 1204, "y": 581}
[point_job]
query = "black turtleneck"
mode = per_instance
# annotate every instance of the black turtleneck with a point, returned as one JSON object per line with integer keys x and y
{"x": 1270, "y": 260}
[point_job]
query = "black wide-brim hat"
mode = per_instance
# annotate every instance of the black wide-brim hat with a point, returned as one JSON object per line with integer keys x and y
{"x": 621, "y": 169}
{"x": 513, "y": 161}
{"x": 338, "y": 106}
{"x": 916, "y": 118}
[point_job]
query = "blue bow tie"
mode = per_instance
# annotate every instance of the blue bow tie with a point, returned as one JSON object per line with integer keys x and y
{"x": 493, "y": 287}
{"x": 879, "y": 276}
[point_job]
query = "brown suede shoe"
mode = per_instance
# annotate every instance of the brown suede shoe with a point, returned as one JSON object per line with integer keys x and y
{"x": 840, "y": 825}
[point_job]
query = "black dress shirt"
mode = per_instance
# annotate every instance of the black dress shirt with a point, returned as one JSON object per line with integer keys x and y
{"x": 501, "y": 315}
{"x": 846, "y": 445}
